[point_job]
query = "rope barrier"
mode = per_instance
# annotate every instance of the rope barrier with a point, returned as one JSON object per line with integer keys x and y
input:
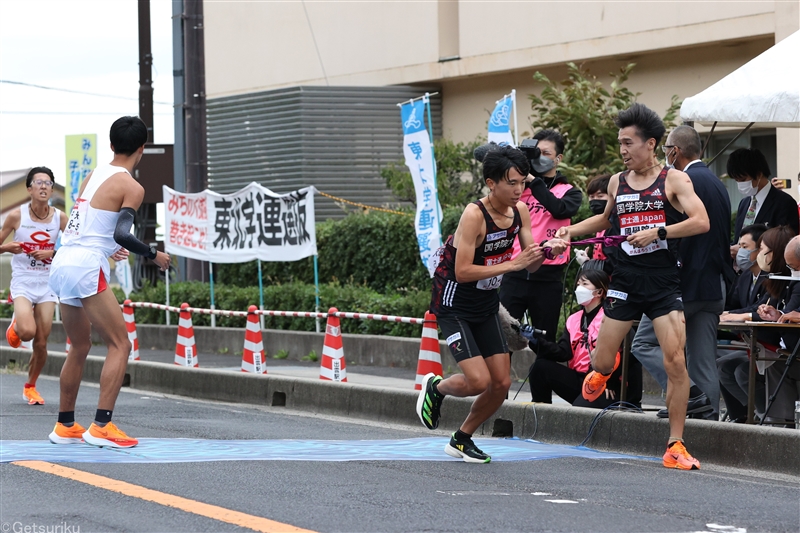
{"x": 290, "y": 314}
{"x": 364, "y": 206}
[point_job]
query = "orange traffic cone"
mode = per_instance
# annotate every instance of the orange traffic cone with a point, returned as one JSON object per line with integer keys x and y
{"x": 253, "y": 353}
{"x": 430, "y": 359}
{"x": 130, "y": 325}
{"x": 332, "y": 364}
{"x": 68, "y": 346}
{"x": 185, "y": 348}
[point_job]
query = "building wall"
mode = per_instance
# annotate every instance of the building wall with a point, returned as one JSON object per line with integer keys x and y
{"x": 491, "y": 47}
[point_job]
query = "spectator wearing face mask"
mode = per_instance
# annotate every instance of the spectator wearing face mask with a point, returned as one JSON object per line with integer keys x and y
{"x": 597, "y": 191}
{"x": 733, "y": 365}
{"x": 763, "y": 203}
{"x": 786, "y": 309}
{"x": 552, "y": 202}
{"x": 549, "y": 374}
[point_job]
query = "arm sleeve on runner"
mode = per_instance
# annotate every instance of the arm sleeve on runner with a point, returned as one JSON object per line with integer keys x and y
{"x": 123, "y": 236}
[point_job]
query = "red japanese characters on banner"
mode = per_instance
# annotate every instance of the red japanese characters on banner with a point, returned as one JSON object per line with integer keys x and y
{"x": 252, "y": 223}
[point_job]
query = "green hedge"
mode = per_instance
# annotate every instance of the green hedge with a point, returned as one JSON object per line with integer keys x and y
{"x": 375, "y": 249}
{"x": 295, "y": 296}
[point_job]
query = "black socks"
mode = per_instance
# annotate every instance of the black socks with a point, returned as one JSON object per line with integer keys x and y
{"x": 694, "y": 391}
{"x": 461, "y": 436}
{"x": 66, "y": 418}
{"x": 102, "y": 417}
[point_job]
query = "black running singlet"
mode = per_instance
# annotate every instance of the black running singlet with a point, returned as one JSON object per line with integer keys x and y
{"x": 646, "y": 209}
{"x": 477, "y": 298}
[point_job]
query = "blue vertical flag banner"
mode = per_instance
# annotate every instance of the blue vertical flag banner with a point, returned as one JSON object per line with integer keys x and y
{"x": 499, "y": 122}
{"x": 418, "y": 151}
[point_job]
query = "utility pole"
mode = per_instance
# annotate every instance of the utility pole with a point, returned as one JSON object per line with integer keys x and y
{"x": 145, "y": 69}
{"x": 194, "y": 110}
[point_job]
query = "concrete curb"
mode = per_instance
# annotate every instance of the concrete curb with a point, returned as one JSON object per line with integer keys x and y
{"x": 368, "y": 350}
{"x": 733, "y": 445}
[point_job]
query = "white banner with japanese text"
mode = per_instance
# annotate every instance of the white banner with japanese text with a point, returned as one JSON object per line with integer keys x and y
{"x": 252, "y": 223}
{"x": 418, "y": 154}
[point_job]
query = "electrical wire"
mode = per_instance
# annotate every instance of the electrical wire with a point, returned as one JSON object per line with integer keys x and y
{"x": 59, "y": 89}
{"x": 616, "y": 406}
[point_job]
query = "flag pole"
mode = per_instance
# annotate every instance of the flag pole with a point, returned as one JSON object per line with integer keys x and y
{"x": 260, "y": 295}
{"x": 514, "y": 103}
{"x": 211, "y": 283}
{"x": 427, "y": 101}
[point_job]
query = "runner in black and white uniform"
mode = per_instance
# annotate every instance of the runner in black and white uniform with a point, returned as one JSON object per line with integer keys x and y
{"x": 651, "y": 203}
{"x": 36, "y": 227}
{"x": 462, "y": 309}
{"x": 465, "y": 299}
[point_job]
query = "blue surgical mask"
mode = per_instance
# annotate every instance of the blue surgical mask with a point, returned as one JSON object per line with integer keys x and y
{"x": 743, "y": 260}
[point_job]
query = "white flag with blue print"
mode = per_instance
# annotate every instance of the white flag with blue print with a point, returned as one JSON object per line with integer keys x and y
{"x": 419, "y": 159}
{"x": 499, "y": 126}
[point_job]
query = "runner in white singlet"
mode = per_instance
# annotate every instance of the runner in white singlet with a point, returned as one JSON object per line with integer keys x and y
{"x": 99, "y": 224}
{"x": 36, "y": 226}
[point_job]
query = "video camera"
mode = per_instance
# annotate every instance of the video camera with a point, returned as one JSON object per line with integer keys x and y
{"x": 540, "y": 164}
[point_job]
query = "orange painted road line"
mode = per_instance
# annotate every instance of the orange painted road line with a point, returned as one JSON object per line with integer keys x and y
{"x": 214, "y": 512}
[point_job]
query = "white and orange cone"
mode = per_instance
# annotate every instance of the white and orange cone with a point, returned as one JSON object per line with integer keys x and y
{"x": 332, "y": 364}
{"x": 130, "y": 325}
{"x": 68, "y": 345}
{"x": 253, "y": 353}
{"x": 430, "y": 358}
{"x": 185, "y": 348}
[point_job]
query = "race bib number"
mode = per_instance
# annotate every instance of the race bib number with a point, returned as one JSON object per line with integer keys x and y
{"x": 76, "y": 216}
{"x": 635, "y": 222}
{"x": 489, "y": 284}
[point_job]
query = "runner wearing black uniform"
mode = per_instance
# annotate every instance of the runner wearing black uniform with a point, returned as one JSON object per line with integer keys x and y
{"x": 655, "y": 207}
{"x": 465, "y": 299}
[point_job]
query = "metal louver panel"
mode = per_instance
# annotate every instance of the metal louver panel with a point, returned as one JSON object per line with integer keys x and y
{"x": 334, "y": 138}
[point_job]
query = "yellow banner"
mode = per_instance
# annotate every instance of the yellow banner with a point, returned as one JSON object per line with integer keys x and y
{"x": 81, "y": 159}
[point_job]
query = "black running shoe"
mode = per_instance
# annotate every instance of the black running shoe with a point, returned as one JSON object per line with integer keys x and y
{"x": 466, "y": 450}
{"x": 429, "y": 402}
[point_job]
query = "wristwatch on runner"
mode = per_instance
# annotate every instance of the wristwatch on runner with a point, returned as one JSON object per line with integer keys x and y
{"x": 662, "y": 233}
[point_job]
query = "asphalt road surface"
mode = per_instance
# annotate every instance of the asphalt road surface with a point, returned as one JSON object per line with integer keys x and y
{"x": 300, "y": 490}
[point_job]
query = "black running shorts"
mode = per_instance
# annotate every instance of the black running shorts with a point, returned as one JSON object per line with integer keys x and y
{"x": 472, "y": 337}
{"x": 654, "y": 292}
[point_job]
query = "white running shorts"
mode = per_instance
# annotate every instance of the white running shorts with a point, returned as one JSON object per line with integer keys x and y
{"x": 34, "y": 289}
{"x": 78, "y": 272}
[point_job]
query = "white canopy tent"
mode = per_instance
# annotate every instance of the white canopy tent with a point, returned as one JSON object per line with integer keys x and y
{"x": 764, "y": 92}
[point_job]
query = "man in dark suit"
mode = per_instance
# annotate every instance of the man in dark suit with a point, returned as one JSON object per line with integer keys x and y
{"x": 733, "y": 364}
{"x": 763, "y": 203}
{"x": 747, "y": 290}
{"x": 705, "y": 272}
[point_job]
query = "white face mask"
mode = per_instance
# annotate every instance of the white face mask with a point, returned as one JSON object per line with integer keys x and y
{"x": 667, "y": 164}
{"x": 795, "y": 273}
{"x": 761, "y": 258}
{"x": 746, "y": 188}
{"x": 583, "y": 295}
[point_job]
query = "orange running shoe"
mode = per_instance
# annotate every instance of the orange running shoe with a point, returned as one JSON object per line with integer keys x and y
{"x": 11, "y": 335}
{"x": 32, "y": 396}
{"x": 677, "y": 457}
{"x": 595, "y": 383}
{"x": 67, "y": 435}
{"x": 109, "y": 435}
